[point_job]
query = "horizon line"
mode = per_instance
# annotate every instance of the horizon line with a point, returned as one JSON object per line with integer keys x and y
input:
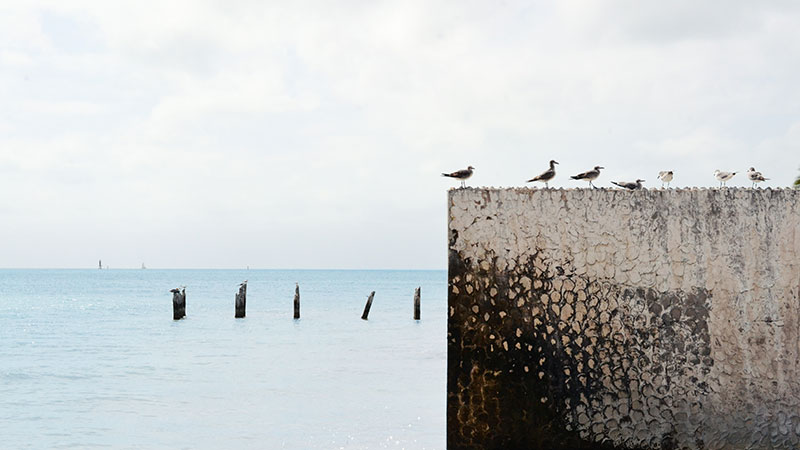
{"x": 216, "y": 268}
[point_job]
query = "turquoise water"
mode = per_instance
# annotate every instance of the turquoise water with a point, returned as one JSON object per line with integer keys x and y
{"x": 92, "y": 358}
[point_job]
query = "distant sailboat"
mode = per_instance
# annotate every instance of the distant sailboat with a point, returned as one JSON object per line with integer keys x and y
{"x": 143, "y": 267}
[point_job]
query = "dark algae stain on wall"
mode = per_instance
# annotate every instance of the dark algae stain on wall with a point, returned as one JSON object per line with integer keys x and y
{"x": 542, "y": 360}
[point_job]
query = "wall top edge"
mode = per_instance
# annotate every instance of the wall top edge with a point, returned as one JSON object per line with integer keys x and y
{"x": 609, "y": 189}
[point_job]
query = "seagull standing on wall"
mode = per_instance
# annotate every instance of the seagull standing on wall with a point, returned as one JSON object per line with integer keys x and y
{"x": 589, "y": 175}
{"x": 462, "y": 175}
{"x": 723, "y": 177}
{"x": 665, "y": 176}
{"x": 547, "y": 175}
{"x": 629, "y": 185}
{"x": 755, "y": 176}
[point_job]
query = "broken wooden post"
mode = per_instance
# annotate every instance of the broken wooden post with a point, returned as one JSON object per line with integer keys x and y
{"x": 241, "y": 299}
{"x": 416, "y": 303}
{"x": 178, "y": 303}
{"x": 296, "y": 300}
{"x": 369, "y": 304}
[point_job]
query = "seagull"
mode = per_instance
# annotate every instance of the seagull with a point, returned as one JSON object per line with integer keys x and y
{"x": 589, "y": 175}
{"x": 175, "y": 290}
{"x": 755, "y": 177}
{"x": 628, "y": 184}
{"x": 723, "y": 177}
{"x": 547, "y": 175}
{"x": 665, "y": 176}
{"x": 243, "y": 283}
{"x": 462, "y": 175}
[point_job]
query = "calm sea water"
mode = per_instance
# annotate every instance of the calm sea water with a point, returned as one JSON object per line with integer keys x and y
{"x": 92, "y": 358}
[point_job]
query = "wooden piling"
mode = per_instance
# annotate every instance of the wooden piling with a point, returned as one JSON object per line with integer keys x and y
{"x": 296, "y": 300}
{"x": 241, "y": 300}
{"x": 416, "y": 303}
{"x": 178, "y": 303}
{"x": 368, "y": 305}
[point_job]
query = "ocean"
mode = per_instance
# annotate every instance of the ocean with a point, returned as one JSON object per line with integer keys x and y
{"x": 92, "y": 358}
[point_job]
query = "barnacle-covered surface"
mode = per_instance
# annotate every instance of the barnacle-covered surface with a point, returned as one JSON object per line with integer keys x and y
{"x": 614, "y": 319}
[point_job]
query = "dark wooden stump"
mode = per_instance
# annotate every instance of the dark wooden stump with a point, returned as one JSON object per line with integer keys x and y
{"x": 368, "y": 305}
{"x": 416, "y": 303}
{"x": 241, "y": 300}
{"x": 178, "y": 303}
{"x": 296, "y": 301}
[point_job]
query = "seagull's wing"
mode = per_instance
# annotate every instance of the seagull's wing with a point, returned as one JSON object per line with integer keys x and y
{"x": 547, "y": 174}
{"x": 626, "y": 185}
{"x": 463, "y": 173}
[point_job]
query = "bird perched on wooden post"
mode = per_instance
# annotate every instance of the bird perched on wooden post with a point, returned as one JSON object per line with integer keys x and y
{"x": 723, "y": 177}
{"x": 755, "y": 176}
{"x": 665, "y": 176}
{"x": 547, "y": 175}
{"x": 629, "y": 184}
{"x": 462, "y": 175}
{"x": 589, "y": 175}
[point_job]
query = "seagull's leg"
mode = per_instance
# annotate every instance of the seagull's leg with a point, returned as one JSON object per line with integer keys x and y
{"x": 546, "y": 185}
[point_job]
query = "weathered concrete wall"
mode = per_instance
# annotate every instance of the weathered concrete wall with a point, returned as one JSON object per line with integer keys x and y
{"x": 614, "y": 319}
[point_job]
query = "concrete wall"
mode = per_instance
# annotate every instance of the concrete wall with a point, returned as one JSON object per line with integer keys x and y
{"x": 614, "y": 319}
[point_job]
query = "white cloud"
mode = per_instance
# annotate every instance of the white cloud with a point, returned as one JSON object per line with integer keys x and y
{"x": 13, "y": 58}
{"x": 48, "y": 108}
{"x": 674, "y": 21}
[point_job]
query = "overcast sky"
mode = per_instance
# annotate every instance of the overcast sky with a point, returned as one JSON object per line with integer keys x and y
{"x": 313, "y": 134}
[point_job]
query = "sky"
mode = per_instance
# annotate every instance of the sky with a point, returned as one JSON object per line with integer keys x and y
{"x": 312, "y": 134}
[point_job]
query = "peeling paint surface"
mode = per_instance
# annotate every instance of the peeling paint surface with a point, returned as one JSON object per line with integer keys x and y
{"x": 659, "y": 319}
